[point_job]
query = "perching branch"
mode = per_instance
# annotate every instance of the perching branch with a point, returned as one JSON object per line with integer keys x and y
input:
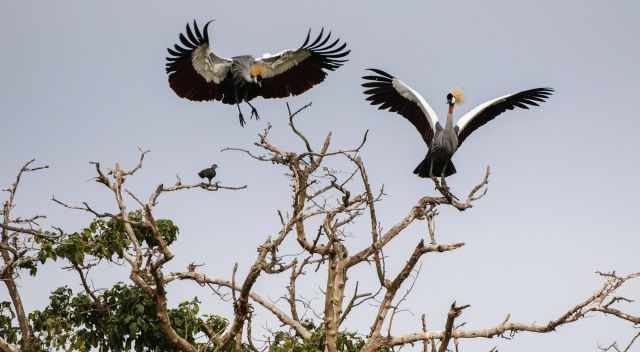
{"x": 149, "y": 275}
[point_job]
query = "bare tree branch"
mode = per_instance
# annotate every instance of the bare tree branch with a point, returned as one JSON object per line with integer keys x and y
{"x": 454, "y": 312}
{"x": 203, "y": 279}
{"x": 11, "y": 253}
{"x": 618, "y": 313}
{"x": 577, "y": 312}
{"x": 5, "y": 347}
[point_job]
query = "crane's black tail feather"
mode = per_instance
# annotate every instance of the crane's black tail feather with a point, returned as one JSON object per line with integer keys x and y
{"x": 423, "y": 169}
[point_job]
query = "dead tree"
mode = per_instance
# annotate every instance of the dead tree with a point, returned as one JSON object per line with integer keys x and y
{"x": 324, "y": 204}
{"x": 320, "y": 194}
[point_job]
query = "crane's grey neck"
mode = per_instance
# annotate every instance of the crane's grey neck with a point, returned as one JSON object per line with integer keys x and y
{"x": 449, "y": 123}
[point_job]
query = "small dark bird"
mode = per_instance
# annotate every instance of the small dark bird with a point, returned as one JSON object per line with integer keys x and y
{"x": 208, "y": 173}
{"x": 197, "y": 73}
{"x": 394, "y": 95}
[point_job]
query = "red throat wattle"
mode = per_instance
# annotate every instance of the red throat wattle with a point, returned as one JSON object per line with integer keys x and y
{"x": 451, "y": 108}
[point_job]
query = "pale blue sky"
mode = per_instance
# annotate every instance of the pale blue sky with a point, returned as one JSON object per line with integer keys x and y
{"x": 85, "y": 81}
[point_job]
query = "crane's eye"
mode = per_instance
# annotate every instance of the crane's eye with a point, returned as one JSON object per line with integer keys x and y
{"x": 259, "y": 78}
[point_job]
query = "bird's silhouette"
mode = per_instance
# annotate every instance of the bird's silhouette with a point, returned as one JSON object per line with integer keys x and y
{"x": 208, "y": 173}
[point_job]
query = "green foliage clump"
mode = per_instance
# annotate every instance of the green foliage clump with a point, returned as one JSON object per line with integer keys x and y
{"x": 125, "y": 320}
{"x": 8, "y": 332}
{"x": 346, "y": 341}
{"x": 103, "y": 239}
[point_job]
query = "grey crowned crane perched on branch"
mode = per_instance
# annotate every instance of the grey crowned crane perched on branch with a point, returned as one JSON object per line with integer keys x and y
{"x": 396, "y": 96}
{"x": 197, "y": 73}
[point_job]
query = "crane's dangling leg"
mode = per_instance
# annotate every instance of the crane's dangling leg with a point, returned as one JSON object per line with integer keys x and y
{"x": 254, "y": 111}
{"x": 240, "y": 116}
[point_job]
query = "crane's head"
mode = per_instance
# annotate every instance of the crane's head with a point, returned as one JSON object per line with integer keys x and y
{"x": 257, "y": 71}
{"x": 456, "y": 96}
{"x": 214, "y": 166}
{"x": 450, "y": 99}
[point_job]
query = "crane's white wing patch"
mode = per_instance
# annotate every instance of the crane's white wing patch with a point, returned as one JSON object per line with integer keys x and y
{"x": 208, "y": 65}
{"x": 469, "y": 116}
{"x": 408, "y": 93}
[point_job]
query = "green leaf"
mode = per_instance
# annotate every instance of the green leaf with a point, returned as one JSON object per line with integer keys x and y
{"x": 133, "y": 329}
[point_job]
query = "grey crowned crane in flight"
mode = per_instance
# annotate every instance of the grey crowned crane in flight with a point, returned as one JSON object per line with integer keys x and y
{"x": 396, "y": 96}
{"x": 197, "y": 73}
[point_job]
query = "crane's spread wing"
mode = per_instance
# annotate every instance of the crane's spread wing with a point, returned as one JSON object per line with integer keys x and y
{"x": 487, "y": 111}
{"x": 396, "y": 96}
{"x": 195, "y": 72}
{"x": 295, "y": 71}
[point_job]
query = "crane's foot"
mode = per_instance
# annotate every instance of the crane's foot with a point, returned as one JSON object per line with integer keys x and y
{"x": 241, "y": 116}
{"x": 254, "y": 112}
{"x": 242, "y": 120}
{"x": 443, "y": 187}
{"x": 449, "y": 194}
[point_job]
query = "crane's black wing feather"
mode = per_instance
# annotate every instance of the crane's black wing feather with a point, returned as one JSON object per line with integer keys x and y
{"x": 185, "y": 80}
{"x": 381, "y": 91}
{"x": 489, "y": 110}
{"x": 293, "y": 72}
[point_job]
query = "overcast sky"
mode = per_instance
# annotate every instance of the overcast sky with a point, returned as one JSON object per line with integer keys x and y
{"x": 84, "y": 81}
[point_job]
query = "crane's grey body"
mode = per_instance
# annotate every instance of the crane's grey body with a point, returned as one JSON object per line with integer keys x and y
{"x": 240, "y": 66}
{"x": 444, "y": 144}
